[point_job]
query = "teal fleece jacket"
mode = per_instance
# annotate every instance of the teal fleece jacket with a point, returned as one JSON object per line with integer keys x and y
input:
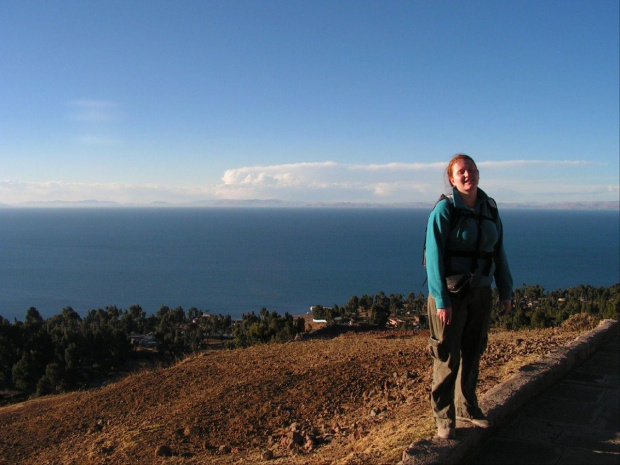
{"x": 463, "y": 237}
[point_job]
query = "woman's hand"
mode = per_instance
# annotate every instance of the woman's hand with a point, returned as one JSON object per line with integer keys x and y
{"x": 507, "y": 304}
{"x": 445, "y": 315}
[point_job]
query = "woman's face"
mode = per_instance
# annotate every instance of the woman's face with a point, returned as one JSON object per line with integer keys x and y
{"x": 465, "y": 176}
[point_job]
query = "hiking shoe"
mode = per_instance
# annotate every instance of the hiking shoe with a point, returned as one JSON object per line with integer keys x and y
{"x": 479, "y": 421}
{"x": 446, "y": 432}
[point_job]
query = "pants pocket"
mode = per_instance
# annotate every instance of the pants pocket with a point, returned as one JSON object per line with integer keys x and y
{"x": 437, "y": 349}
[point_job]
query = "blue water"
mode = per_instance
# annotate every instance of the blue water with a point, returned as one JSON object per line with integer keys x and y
{"x": 234, "y": 261}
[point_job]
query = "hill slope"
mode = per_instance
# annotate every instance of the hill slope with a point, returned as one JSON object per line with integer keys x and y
{"x": 356, "y": 399}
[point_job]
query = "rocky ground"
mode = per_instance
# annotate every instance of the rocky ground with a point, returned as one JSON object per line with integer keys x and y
{"x": 352, "y": 398}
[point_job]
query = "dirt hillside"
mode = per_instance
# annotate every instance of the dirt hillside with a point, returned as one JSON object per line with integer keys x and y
{"x": 357, "y": 398}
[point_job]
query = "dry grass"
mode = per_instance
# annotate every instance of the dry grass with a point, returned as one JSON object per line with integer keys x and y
{"x": 352, "y": 399}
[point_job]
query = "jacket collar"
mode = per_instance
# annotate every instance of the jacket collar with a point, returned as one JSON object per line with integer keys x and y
{"x": 458, "y": 201}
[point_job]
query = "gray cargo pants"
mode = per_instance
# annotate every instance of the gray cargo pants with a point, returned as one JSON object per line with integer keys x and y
{"x": 456, "y": 349}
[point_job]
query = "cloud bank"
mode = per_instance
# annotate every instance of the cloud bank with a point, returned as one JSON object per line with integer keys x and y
{"x": 330, "y": 181}
{"x": 12, "y": 192}
{"x": 525, "y": 180}
{"x": 508, "y": 181}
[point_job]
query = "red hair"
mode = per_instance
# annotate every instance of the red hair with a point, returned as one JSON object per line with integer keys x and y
{"x": 455, "y": 158}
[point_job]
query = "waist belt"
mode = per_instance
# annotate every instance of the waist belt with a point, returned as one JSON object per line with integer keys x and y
{"x": 475, "y": 255}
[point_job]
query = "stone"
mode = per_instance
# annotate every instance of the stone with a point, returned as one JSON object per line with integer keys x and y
{"x": 163, "y": 451}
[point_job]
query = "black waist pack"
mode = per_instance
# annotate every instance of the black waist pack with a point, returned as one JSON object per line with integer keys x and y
{"x": 458, "y": 283}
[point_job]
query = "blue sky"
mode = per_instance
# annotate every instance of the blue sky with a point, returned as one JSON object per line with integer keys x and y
{"x": 356, "y": 101}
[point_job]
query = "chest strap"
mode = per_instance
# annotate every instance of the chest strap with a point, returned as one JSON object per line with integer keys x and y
{"x": 476, "y": 254}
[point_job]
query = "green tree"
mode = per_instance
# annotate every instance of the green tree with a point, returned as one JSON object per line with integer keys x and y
{"x": 26, "y": 373}
{"x": 352, "y": 307}
{"x": 52, "y": 382}
{"x": 366, "y": 301}
{"x": 416, "y": 304}
{"x": 396, "y": 304}
{"x": 264, "y": 328}
{"x": 171, "y": 325}
{"x": 380, "y": 310}
{"x": 33, "y": 318}
{"x": 134, "y": 320}
{"x": 11, "y": 350}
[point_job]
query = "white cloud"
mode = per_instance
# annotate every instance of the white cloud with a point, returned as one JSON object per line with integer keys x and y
{"x": 95, "y": 121}
{"x": 324, "y": 181}
{"x": 280, "y": 175}
{"x": 537, "y": 163}
{"x": 399, "y": 166}
{"x": 12, "y": 192}
{"x": 94, "y": 111}
{"x": 545, "y": 191}
{"x": 321, "y": 175}
{"x": 507, "y": 181}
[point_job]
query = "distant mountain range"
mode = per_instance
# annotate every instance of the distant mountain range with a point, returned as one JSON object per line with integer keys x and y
{"x": 275, "y": 203}
{"x": 593, "y": 205}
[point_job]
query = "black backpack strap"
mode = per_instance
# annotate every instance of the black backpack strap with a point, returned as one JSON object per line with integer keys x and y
{"x": 492, "y": 205}
{"x": 477, "y": 254}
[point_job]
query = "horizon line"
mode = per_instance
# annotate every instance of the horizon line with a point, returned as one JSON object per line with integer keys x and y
{"x": 605, "y": 205}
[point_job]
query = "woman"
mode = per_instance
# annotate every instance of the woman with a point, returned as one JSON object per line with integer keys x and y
{"x": 463, "y": 242}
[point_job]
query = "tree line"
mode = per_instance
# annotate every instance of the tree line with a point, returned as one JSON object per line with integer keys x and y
{"x": 533, "y": 307}
{"x": 374, "y": 309}
{"x": 43, "y": 356}
{"x": 66, "y": 351}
